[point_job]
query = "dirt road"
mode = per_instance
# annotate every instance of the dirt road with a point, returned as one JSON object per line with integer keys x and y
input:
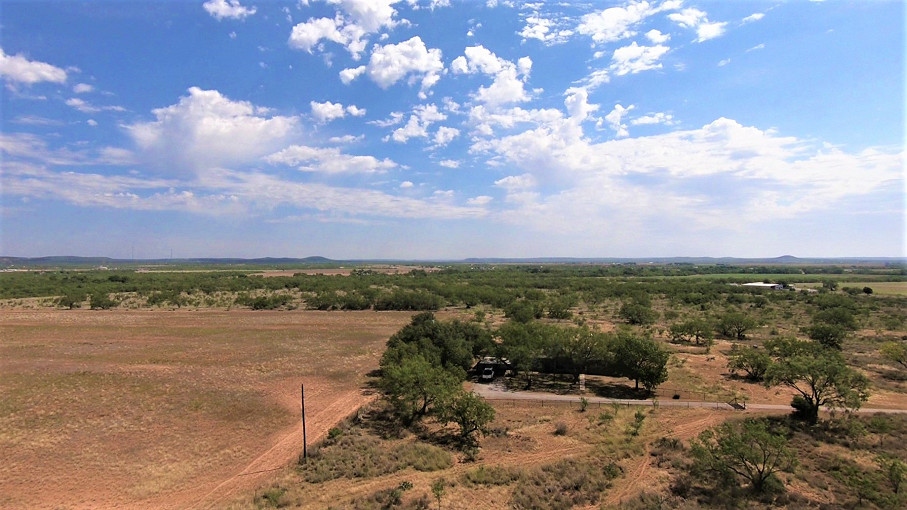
{"x": 497, "y": 392}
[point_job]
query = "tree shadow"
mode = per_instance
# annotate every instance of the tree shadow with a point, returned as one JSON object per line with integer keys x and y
{"x": 617, "y": 390}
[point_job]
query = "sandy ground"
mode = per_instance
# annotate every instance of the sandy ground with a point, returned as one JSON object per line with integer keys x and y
{"x": 161, "y": 409}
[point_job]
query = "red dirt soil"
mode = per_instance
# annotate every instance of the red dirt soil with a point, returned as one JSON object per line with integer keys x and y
{"x": 170, "y": 409}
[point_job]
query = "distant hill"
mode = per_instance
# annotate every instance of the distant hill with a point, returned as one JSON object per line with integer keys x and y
{"x": 783, "y": 260}
{"x": 86, "y": 262}
{"x": 67, "y": 261}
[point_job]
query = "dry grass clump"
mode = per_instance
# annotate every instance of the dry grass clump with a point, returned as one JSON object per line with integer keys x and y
{"x": 391, "y": 499}
{"x": 564, "y": 485}
{"x": 492, "y": 475}
{"x": 357, "y": 453}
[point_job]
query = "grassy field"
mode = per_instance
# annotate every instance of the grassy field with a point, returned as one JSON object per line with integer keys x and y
{"x": 164, "y": 409}
{"x": 879, "y": 288}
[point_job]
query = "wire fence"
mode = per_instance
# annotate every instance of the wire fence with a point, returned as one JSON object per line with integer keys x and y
{"x": 598, "y": 403}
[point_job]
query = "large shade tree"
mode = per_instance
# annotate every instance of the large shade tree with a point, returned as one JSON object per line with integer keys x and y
{"x": 819, "y": 375}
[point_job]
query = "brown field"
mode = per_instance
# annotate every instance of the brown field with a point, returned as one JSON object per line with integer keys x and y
{"x": 170, "y": 409}
{"x": 344, "y": 271}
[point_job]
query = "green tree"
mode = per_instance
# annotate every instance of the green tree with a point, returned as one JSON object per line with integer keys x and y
{"x": 830, "y": 285}
{"x": 895, "y": 471}
{"x": 820, "y": 376}
{"x": 735, "y": 325}
{"x": 640, "y": 359}
{"x": 635, "y": 312}
{"x": 453, "y": 345}
{"x": 582, "y": 347}
{"x": 695, "y": 330}
{"x": 750, "y": 359}
{"x": 101, "y": 301}
{"x": 71, "y": 300}
{"x": 896, "y": 352}
{"x": 414, "y": 385}
{"x": 747, "y": 450}
{"x": 523, "y": 311}
{"x": 829, "y": 335}
{"x": 839, "y": 316}
{"x": 522, "y": 344}
{"x": 467, "y": 410}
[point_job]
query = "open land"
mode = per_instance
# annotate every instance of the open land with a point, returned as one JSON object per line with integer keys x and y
{"x": 166, "y": 409}
{"x": 191, "y": 399}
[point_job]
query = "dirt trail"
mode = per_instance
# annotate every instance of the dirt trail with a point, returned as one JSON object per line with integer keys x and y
{"x": 639, "y": 476}
{"x": 284, "y": 451}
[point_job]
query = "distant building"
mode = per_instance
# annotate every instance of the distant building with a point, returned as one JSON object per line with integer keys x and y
{"x": 763, "y": 285}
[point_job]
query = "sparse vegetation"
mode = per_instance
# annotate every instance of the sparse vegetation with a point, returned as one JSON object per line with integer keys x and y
{"x": 822, "y": 348}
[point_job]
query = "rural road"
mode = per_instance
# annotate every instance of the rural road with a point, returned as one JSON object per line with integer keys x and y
{"x": 495, "y": 392}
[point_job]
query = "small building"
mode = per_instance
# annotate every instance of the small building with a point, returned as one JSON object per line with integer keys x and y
{"x": 763, "y": 285}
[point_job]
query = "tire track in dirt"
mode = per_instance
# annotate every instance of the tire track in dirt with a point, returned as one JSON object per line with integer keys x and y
{"x": 633, "y": 482}
{"x": 639, "y": 478}
{"x": 285, "y": 450}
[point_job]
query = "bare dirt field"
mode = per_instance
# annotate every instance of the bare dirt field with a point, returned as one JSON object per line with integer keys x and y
{"x": 170, "y": 409}
{"x": 344, "y": 271}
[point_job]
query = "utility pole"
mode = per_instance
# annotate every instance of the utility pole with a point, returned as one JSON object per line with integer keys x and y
{"x": 302, "y": 397}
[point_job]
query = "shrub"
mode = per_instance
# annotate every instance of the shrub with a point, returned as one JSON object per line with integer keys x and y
{"x": 493, "y": 475}
{"x": 560, "y": 429}
{"x": 356, "y": 454}
{"x": 563, "y": 485}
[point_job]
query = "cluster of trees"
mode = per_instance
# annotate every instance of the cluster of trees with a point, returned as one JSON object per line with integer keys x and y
{"x": 535, "y": 346}
{"x": 423, "y": 369}
{"x": 834, "y": 320}
{"x": 531, "y": 291}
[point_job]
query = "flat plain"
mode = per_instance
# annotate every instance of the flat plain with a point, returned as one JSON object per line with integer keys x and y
{"x": 170, "y": 409}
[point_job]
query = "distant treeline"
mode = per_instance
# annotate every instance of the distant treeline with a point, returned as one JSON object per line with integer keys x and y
{"x": 541, "y": 289}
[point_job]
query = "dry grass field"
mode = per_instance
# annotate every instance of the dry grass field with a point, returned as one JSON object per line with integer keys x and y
{"x": 170, "y": 409}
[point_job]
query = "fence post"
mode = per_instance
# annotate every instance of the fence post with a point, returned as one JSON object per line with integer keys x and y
{"x": 305, "y": 455}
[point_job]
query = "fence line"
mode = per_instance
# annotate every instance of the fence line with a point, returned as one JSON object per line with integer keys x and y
{"x": 688, "y": 404}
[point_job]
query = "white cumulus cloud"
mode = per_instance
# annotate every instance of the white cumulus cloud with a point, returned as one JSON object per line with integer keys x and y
{"x": 544, "y": 30}
{"x": 355, "y": 20}
{"x": 419, "y": 121}
{"x": 206, "y": 130}
{"x": 444, "y": 135}
{"x": 327, "y": 111}
{"x": 634, "y": 58}
{"x": 221, "y": 9}
{"x": 18, "y": 69}
{"x": 393, "y": 62}
{"x": 697, "y": 20}
{"x": 615, "y": 120}
{"x": 328, "y": 160}
{"x": 655, "y": 118}
{"x": 616, "y": 23}
{"x": 508, "y": 78}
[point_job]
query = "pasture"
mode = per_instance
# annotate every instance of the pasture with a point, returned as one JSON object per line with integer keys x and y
{"x": 170, "y": 409}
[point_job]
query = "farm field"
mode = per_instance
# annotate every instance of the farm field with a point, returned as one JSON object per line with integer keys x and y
{"x": 170, "y": 409}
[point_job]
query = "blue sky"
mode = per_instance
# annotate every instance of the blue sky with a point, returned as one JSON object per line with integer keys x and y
{"x": 445, "y": 129}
